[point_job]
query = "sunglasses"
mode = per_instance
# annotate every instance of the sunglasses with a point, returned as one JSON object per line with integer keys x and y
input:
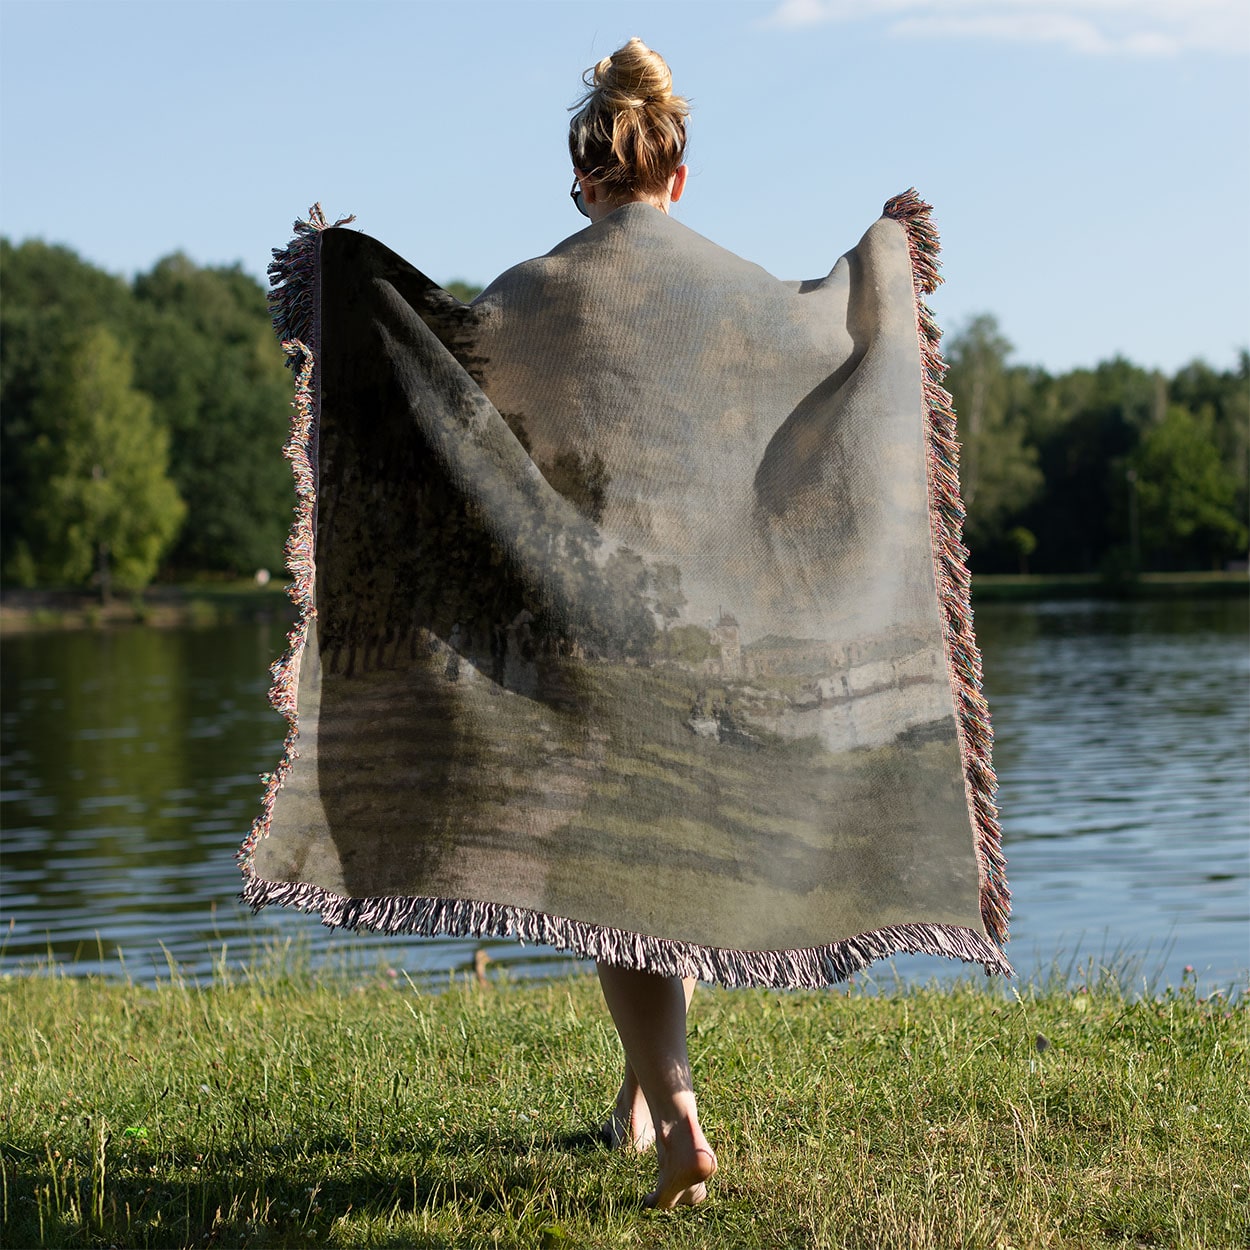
{"x": 576, "y": 196}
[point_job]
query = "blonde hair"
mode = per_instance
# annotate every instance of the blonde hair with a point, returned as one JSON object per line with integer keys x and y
{"x": 629, "y": 131}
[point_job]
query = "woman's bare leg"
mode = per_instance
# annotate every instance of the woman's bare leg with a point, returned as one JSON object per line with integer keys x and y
{"x": 649, "y": 1012}
{"x": 629, "y": 1126}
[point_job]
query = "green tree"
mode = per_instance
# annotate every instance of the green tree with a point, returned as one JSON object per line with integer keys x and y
{"x": 998, "y": 466}
{"x": 51, "y": 297}
{"x": 208, "y": 358}
{"x": 1186, "y": 492}
{"x": 102, "y": 506}
{"x": 1087, "y": 423}
{"x": 1223, "y": 399}
{"x": 1024, "y": 543}
{"x": 465, "y": 292}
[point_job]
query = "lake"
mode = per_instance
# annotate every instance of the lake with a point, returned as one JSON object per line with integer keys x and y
{"x": 130, "y": 774}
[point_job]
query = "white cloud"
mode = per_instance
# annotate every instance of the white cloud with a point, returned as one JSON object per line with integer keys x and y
{"x": 1136, "y": 28}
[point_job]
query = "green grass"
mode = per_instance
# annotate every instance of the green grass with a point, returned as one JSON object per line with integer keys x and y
{"x": 281, "y": 1108}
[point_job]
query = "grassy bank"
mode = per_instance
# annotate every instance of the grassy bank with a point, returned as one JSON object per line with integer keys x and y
{"x": 192, "y": 603}
{"x": 284, "y": 1110}
{"x": 1008, "y": 587}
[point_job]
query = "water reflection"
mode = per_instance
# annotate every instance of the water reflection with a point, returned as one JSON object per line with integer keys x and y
{"x": 131, "y": 762}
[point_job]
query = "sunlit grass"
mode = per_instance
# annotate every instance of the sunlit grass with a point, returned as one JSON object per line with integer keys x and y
{"x": 281, "y": 1107}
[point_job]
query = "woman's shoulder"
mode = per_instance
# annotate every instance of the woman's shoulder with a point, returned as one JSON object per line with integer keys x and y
{"x": 635, "y": 246}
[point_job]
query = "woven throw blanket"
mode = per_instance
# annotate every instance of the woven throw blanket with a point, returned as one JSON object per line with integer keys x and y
{"x": 633, "y": 613}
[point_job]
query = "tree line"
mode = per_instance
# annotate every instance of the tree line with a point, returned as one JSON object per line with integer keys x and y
{"x": 141, "y": 421}
{"x": 1114, "y": 470}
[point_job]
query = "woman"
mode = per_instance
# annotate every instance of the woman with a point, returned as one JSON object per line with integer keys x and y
{"x": 639, "y": 624}
{"x": 628, "y": 141}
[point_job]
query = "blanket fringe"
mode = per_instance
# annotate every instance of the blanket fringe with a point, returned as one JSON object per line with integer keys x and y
{"x": 950, "y": 558}
{"x": 294, "y": 304}
{"x": 809, "y": 968}
{"x": 294, "y": 298}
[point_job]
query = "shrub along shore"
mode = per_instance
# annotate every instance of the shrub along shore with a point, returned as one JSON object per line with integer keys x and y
{"x": 214, "y": 603}
{"x": 285, "y": 1108}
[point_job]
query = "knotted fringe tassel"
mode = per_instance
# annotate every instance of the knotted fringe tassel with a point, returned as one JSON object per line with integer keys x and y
{"x": 294, "y": 302}
{"x": 950, "y": 562}
{"x": 294, "y": 275}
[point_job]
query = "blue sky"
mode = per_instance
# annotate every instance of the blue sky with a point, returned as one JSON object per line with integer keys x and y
{"x": 1088, "y": 159}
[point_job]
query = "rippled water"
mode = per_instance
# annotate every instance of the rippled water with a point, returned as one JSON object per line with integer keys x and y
{"x": 1123, "y": 752}
{"x": 131, "y": 757}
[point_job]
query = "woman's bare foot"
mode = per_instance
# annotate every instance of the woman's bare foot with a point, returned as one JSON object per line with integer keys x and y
{"x": 649, "y": 1011}
{"x": 629, "y": 1126}
{"x": 686, "y": 1165}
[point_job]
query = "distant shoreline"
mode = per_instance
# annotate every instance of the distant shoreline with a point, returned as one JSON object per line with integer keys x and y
{"x": 1012, "y": 587}
{"x": 163, "y": 607}
{"x": 207, "y": 604}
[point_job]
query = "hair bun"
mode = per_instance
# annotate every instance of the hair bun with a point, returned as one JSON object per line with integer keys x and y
{"x": 629, "y": 129}
{"x": 633, "y": 76}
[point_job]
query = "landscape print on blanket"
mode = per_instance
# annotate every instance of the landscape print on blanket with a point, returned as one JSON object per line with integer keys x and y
{"x": 625, "y": 598}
